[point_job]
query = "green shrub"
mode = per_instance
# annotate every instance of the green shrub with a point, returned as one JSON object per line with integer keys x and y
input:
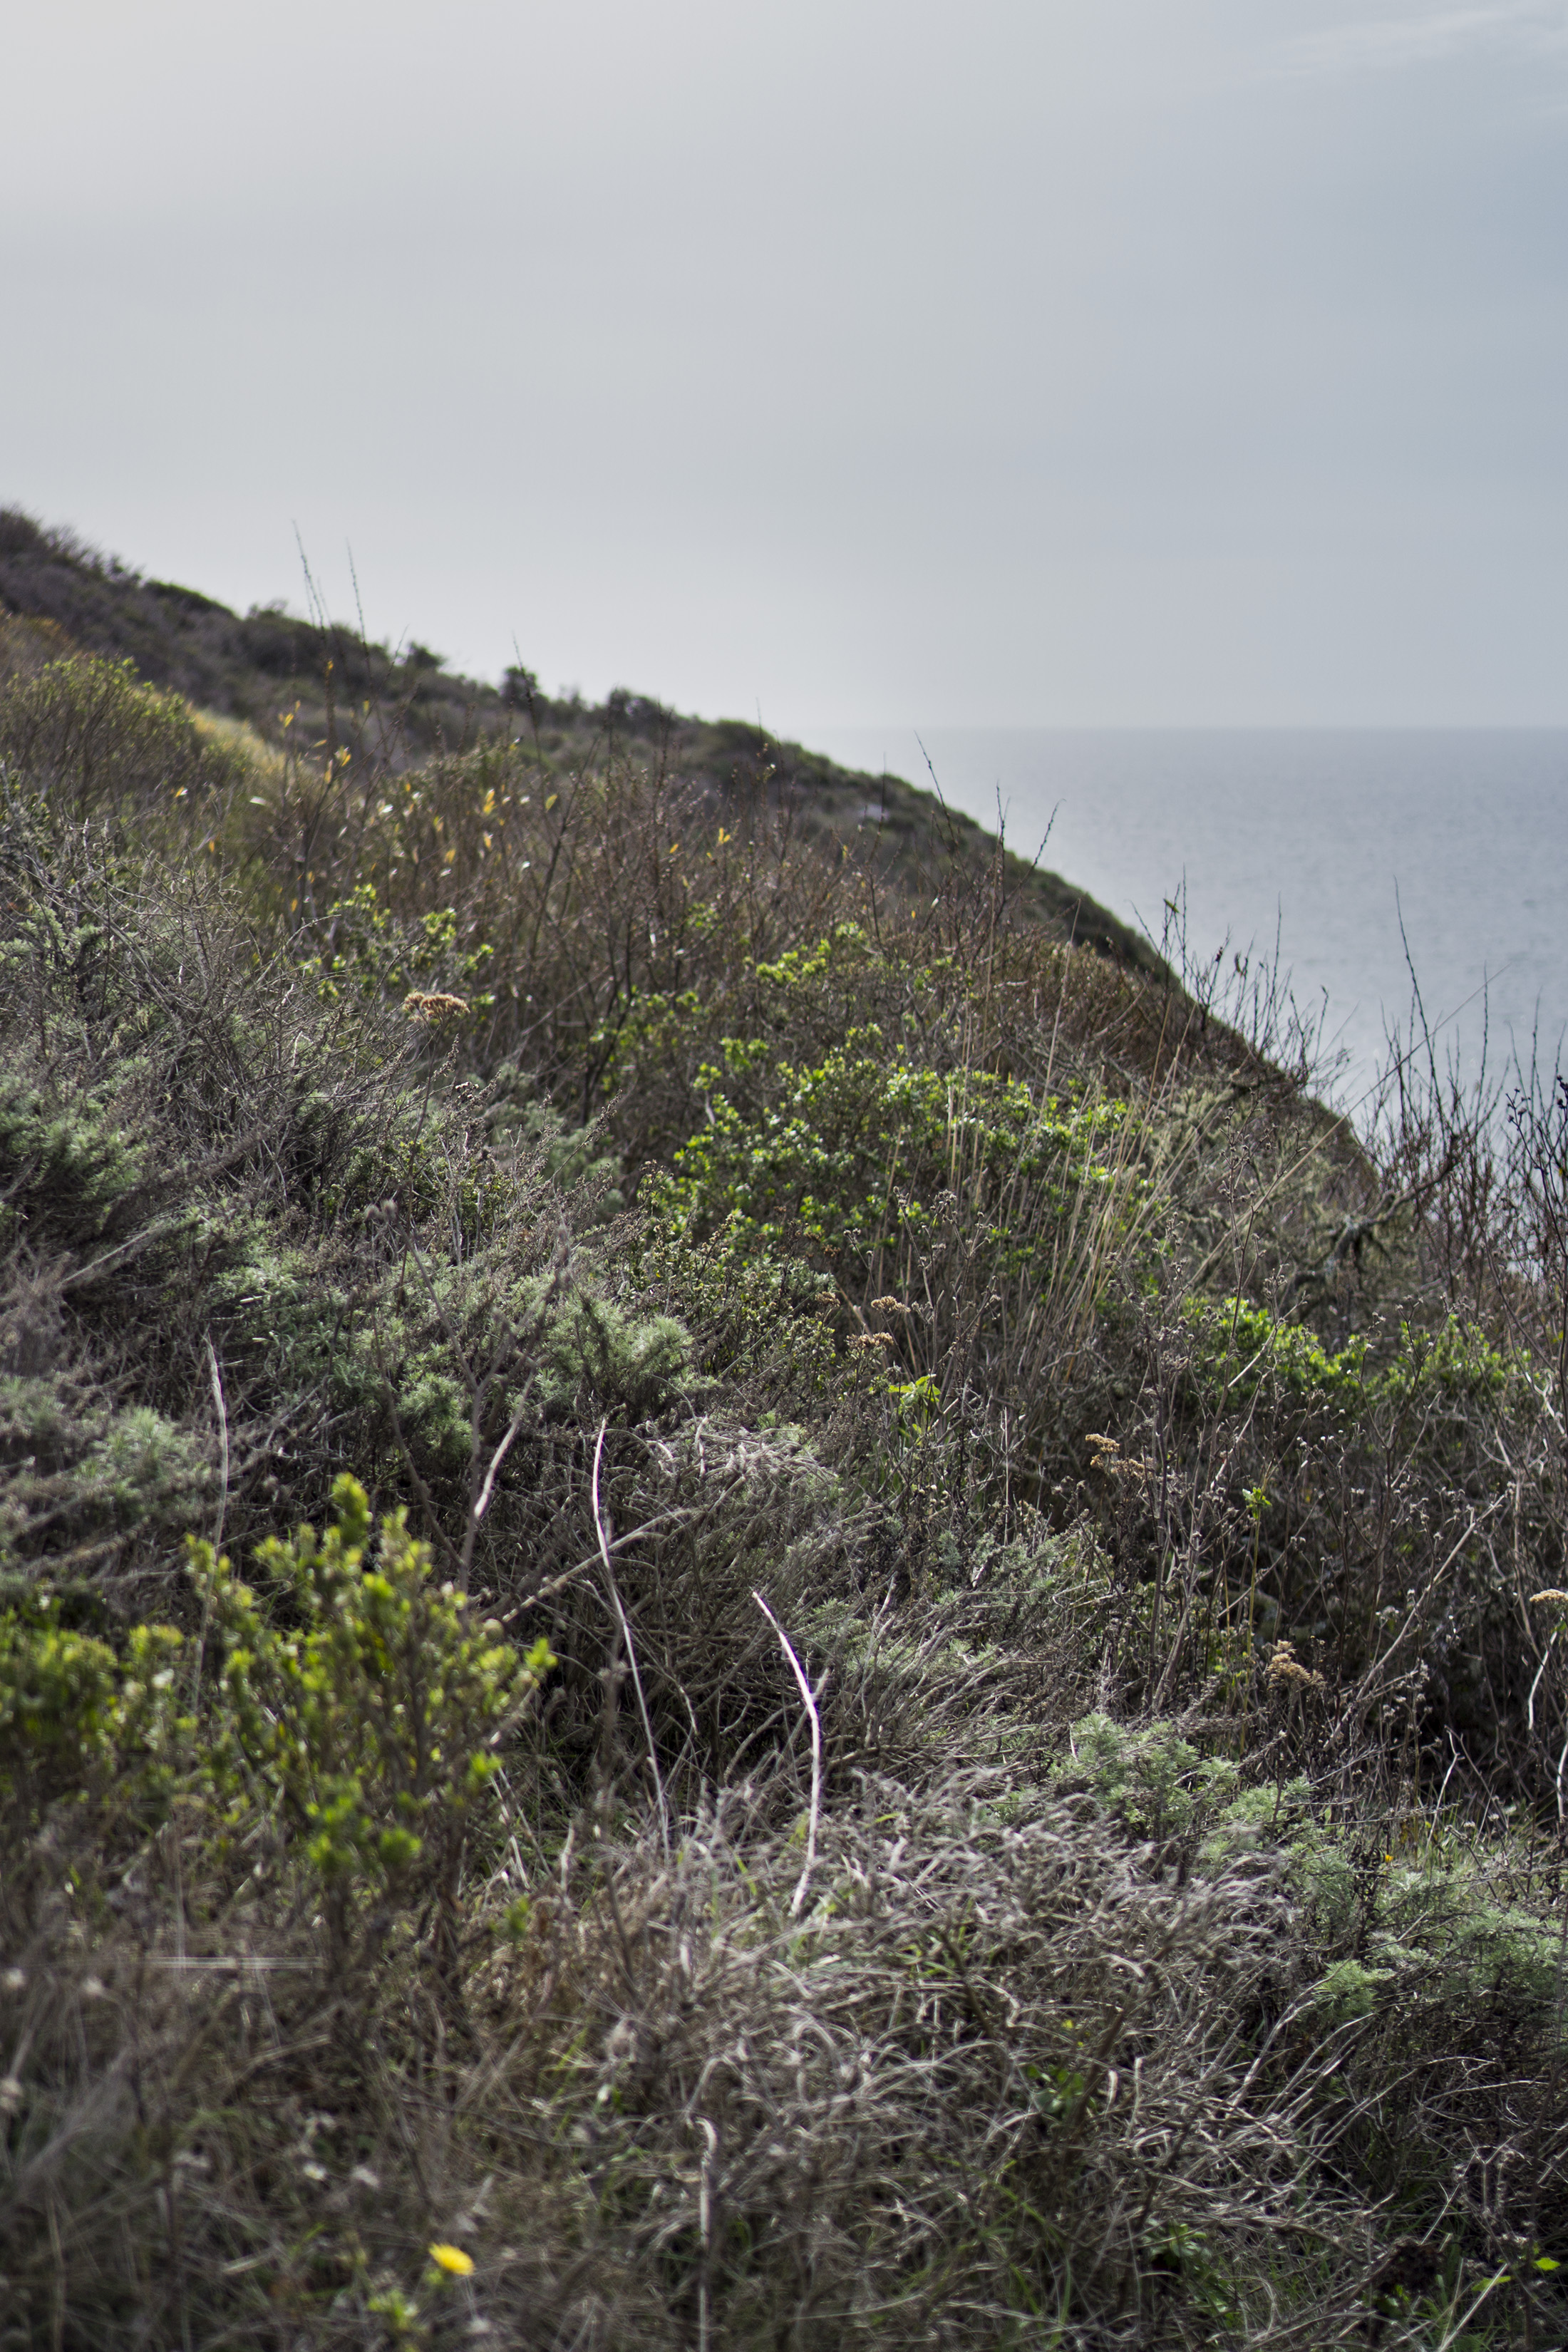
{"x": 1349, "y": 1988}
{"x": 73, "y": 1163}
{"x": 367, "y": 949}
{"x": 1455, "y": 1365}
{"x": 1241, "y": 1348}
{"x": 371, "y": 1724}
{"x": 78, "y": 1471}
{"x": 847, "y": 1156}
{"x": 1156, "y": 1781}
{"x": 597, "y": 1355}
{"x": 79, "y": 1717}
{"x": 367, "y": 1724}
{"x": 762, "y": 1321}
{"x": 87, "y": 735}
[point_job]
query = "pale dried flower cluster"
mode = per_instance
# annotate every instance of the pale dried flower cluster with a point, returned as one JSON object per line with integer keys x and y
{"x": 421, "y": 1006}
{"x": 1108, "y": 1459}
{"x": 1287, "y": 1671}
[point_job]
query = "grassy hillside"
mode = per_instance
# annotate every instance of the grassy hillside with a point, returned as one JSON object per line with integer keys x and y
{"x": 324, "y": 683}
{"x": 738, "y": 1607}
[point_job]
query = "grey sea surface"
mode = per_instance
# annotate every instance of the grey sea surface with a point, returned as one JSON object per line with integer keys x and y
{"x": 1361, "y": 854}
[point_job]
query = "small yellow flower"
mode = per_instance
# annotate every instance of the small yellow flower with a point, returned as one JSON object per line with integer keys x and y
{"x": 453, "y": 2261}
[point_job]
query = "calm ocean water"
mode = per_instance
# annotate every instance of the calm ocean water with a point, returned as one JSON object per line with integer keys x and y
{"x": 1324, "y": 839}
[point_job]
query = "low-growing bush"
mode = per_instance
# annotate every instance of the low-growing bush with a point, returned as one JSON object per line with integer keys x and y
{"x": 96, "y": 741}
{"x": 369, "y": 1726}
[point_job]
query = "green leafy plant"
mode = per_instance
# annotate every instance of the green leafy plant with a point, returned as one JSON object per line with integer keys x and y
{"x": 848, "y": 1156}
{"x": 1456, "y": 1365}
{"x": 1241, "y": 1346}
{"x": 371, "y": 1722}
{"x": 1155, "y": 1781}
{"x": 366, "y": 948}
{"x": 77, "y": 1716}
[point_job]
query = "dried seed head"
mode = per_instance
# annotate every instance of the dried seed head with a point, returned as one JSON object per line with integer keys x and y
{"x": 1287, "y": 1671}
{"x": 422, "y": 1005}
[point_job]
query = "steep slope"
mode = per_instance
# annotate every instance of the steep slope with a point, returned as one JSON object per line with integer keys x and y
{"x": 396, "y": 705}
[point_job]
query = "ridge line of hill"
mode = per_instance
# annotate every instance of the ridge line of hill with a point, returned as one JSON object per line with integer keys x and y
{"x": 269, "y": 668}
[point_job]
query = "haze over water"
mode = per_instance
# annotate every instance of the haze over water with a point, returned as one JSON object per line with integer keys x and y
{"x": 1324, "y": 837}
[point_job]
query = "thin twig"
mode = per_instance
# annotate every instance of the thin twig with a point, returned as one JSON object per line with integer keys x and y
{"x": 223, "y": 1442}
{"x": 806, "y": 1694}
{"x": 470, "y": 1533}
{"x": 222, "y": 1515}
{"x": 705, "y": 2226}
{"x": 482, "y": 1506}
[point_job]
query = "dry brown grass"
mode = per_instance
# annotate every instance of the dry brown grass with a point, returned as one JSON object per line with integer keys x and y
{"x": 997, "y": 2080}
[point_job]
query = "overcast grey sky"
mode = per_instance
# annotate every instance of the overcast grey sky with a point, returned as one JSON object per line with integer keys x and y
{"x": 1020, "y": 362}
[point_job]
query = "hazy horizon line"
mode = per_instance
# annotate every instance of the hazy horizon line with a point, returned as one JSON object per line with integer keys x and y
{"x": 1187, "y": 726}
